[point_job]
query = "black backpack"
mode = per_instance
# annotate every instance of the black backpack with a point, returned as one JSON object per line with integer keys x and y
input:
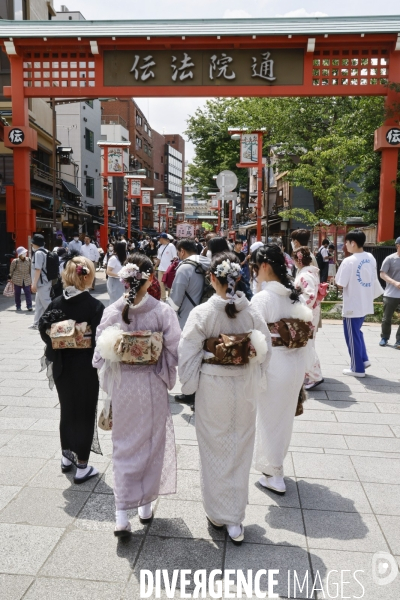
{"x": 320, "y": 260}
{"x": 52, "y": 270}
{"x": 208, "y": 289}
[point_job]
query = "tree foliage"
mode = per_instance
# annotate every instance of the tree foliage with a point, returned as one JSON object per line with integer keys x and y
{"x": 324, "y": 144}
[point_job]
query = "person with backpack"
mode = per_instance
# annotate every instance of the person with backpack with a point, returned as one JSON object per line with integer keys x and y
{"x": 166, "y": 253}
{"x": 43, "y": 272}
{"x": 20, "y": 275}
{"x": 187, "y": 289}
{"x": 307, "y": 280}
{"x": 323, "y": 260}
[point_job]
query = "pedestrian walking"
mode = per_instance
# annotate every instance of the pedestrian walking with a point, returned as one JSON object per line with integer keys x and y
{"x": 41, "y": 283}
{"x": 332, "y": 263}
{"x": 187, "y": 289}
{"x": 68, "y": 327}
{"x": 307, "y": 280}
{"x": 357, "y": 275}
{"x": 301, "y": 238}
{"x": 115, "y": 287}
{"x": 75, "y": 244}
{"x": 20, "y": 276}
{"x": 390, "y": 272}
{"x": 322, "y": 259}
{"x": 151, "y": 250}
{"x": 276, "y": 409}
{"x": 165, "y": 255}
{"x": 144, "y": 456}
{"x": 90, "y": 251}
{"x": 214, "y": 364}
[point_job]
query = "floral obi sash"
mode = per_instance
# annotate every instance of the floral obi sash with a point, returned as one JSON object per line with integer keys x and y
{"x": 70, "y": 334}
{"x": 231, "y": 349}
{"x": 139, "y": 347}
{"x": 291, "y": 333}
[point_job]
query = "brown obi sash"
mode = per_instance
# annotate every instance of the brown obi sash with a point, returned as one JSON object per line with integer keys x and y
{"x": 70, "y": 334}
{"x": 291, "y": 333}
{"x": 229, "y": 349}
{"x": 139, "y": 347}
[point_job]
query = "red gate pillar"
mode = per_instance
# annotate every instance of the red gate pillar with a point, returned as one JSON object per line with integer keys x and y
{"x": 22, "y": 159}
{"x": 387, "y": 190}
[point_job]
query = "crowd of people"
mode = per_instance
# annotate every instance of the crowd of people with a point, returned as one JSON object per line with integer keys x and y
{"x": 238, "y": 324}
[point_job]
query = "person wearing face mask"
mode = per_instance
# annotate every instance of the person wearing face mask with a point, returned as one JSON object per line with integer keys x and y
{"x": 75, "y": 245}
{"x": 301, "y": 237}
{"x": 20, "y": 275}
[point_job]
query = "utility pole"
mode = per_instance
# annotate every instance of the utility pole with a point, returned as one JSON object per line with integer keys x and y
{"x": 54, "y": 115}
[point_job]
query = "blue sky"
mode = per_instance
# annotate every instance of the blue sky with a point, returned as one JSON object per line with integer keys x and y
{"x": 170, "y": 114}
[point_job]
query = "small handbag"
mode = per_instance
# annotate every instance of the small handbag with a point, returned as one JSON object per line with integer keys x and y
{"x": 234, "y": 349}
{"x": 291, "y": 333}
{"x": 139, "y": 347}
{"x": 70, "y": 334}
{"x": 105, "y": 423}
{"x": 8, "y": 291}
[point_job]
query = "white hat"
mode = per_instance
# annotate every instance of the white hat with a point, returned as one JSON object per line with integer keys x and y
{"x": 255, "y": 246}
{"x": 170, "y": 237}
{"x": 21, "y": 250}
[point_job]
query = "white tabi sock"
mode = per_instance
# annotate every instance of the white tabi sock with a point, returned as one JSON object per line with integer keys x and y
{"x": 234, "y": 530}
{"x": 65, "y": 461}
{"x": 121, "y": 518}
{"x": 82, "y": 472}
{"x": 145, "y": 511}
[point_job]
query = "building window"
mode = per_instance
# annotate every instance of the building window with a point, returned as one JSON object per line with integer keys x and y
{"x": 138, "y": 119}
{"x": 89, "y": 103}
{"x": 138, "y": 142}
{"x": 162, "y": 159}
{"x": 156, "y": 175}
{"x": 90, "y": 187}
{"x": 89, "y": 140}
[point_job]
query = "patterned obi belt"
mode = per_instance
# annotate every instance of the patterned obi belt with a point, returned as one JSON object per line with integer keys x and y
{"x": 70, "y": 335}
{"x": 229, "y": 349}
{"x": 291, "y": 333}
{"x": 139, "y": 347}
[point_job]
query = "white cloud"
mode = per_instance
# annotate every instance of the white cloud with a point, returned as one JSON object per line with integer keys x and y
{"x": 236, "y": 14}
{"x": 301, "y": 12}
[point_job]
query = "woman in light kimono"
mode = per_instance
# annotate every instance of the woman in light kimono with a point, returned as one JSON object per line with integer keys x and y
{"x": 144, "y": 459}
{"x": 307, "y": 279}
{"x": 277, "y": 300}
{"x": 225, "y": 395}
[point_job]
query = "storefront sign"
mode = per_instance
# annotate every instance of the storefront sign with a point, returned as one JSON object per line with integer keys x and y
{"x": 146, "y": 198}
{"x": 135, "y": 188}
{"x": 115, "y": 160}
{"x": 184, "y": 230}
{"x": 261, "y": 67}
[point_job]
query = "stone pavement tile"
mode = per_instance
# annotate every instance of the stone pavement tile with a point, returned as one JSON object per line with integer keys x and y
{"x": 274, "y": 525}
{"x": 183, "y": 519}
{"x": 384, "y": 498}
{"x": 5, "y": 436}
{"x": 178, "y": 553}
{"x": 18, "y": 391}
{"x": 14, "y": 382}
{"x": 317, "y": 415}
{"x": 42, "y": 392}
{"x": 319, "y": 440}
{"x": 361, "y": 396}
{"x": 48, "y": 588}
{"x": 305, "y": 449}
{"x": 89, "y": 554}
{"x": 98, "y": 514}
{"x": 51, "y": 477}
{"x": 5, "y": 351}
{"x": 317, "y": 394}
{"x": 362, "y": 453}
{"x": 32, "y": 367}
{"x": 323, "y": 466}
{"x": 18, "y": 470}
{"x": 17, "y": 423}
{"x": 282, "y": 558}
{"x": 181, "y": 420}
{"x": 343, "y": 531}
{"x": 30, "y": 446}
{"x": 377, "y": 470}
{"x": 185, "y": 433}
{"x": 38, "y": 506}
{"x": 387, "y": 408}
{"x": 343, "y": 428}
{"x": 24, "y": 548}
{"x": 391, "y": 529}
{"x": 179, "y": 409}
{"x": 342, "y": 405}
{"x": 333, "y": 495}
{"x": 28, "y": 401}
{"x": 49, "y": 425}
{"x": 188, "y": 486}
{"x": 355, "y": 570}
{"x": 379, "y": 419}
{"x": 264, "y": 497}
{"x": 13, "y": 587}
{"x": 188, "y": 457}
{"x": 396, "y": 431}
{"x": 373, "y": 444}
{"x": 22, "y": 376}
{"x": 105, "y": 482}
{"x": 7, "y": 493}
{"x": 24, "y": 412}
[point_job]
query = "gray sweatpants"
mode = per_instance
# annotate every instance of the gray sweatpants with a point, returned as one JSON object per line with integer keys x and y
{"x": 389, "y": 307}
{"x": 42, "y": 300}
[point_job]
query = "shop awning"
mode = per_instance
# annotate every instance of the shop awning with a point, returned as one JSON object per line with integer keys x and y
{"x": 71, "y": 188}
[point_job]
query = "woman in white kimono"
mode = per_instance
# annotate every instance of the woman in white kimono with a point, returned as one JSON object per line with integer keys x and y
{"x": 225, "y": 394}
{"x": 144, "y": 458}
{"x": 307, "y": 279}
{"x": 276, "y": 409}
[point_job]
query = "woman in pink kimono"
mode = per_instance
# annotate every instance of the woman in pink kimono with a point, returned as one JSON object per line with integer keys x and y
{"x": 307, "y": 279}
{"x": 144, "y": 458}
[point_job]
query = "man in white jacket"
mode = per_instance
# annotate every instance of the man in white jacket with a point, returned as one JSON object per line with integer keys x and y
{"x": 91, "y": 252}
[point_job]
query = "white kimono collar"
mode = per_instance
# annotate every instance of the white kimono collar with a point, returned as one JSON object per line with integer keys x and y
{"x": 71, "y": 291}
{"x": 276, "y": 288}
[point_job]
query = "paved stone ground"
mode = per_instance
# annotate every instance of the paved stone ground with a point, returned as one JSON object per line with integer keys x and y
{"x": 341, "y": 507}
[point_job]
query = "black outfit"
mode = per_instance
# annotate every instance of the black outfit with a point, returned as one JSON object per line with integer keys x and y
{"x": 240, "y": 255}
{"x": 75, "y": 379}
{"x": 150, "y": 252}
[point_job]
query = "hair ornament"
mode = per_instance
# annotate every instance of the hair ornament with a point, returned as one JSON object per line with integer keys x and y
{"x": 131, "y": 271}
{"x": 230, "y": 271}
{"x": 299, "y": 257}
{"x": 82, "y": 270}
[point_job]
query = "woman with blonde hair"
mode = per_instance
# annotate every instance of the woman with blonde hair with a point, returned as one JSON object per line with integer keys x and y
{"x": 68, "y": 327}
